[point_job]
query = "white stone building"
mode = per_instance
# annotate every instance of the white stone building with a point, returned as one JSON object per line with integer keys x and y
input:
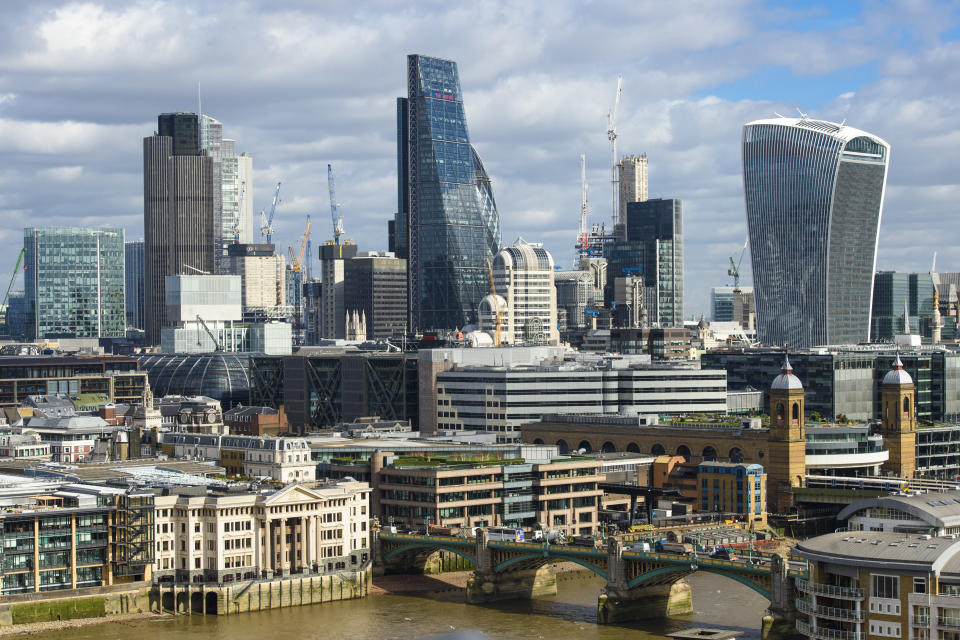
{"x": 300, "y": 529}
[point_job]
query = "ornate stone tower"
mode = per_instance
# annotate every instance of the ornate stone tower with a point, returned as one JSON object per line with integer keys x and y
{"x": 898, "y": 421}
{"x": 786, "y": 467}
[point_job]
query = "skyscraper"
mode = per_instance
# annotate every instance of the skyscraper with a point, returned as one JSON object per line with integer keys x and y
{"x": 73, "y": 282}
{"x": 814, "y": 193}
{"x": 523, "y": 274}
{"x": 652, "y": 248}
{"x": 178, "y": 221}
{"x": 633, "y": 182}
{"x": 232, "y": 190}
{"x": 133, "y": 279}
{"x": 451, "y": 227}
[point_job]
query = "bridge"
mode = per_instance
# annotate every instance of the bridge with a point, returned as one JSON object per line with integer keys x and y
{"x": 639, "y": 584}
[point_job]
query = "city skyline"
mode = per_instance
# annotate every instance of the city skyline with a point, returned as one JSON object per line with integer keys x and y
{"x": 71, "y": 155}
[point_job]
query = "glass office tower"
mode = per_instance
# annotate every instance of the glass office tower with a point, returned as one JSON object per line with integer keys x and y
{"x": 451, "y": 223}
{"x": 814, "y": 193}
{"x": 73, "y": 283}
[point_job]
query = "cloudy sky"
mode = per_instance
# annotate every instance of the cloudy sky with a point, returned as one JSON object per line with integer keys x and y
{"x": 300, "y": 84}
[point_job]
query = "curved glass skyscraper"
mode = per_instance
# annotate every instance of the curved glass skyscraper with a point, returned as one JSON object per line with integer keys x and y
{"x": 814, "y": 193}
{"x": 448, "y": 226}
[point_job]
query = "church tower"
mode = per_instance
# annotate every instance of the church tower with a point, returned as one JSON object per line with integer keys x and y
{"x": 786, "y": 467}
{"x": 898, "y": 420}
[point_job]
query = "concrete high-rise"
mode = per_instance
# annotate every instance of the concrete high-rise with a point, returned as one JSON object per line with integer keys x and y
{"x": 178, "y": 220}
{"x": 814, "y": 193}
{"x": 133, "y": 277}
{"x": 74, "y": 282}
{"x": 263, "y": 278}
{"x": 375, "y": 287}
{"x": 449, "y": 226}
{"x": 232, "y": 190}
{"x": 633, "y": 182}
{"x": 732, "y": 304}
{"x": 333, "y": 312}
{"x": 523, "y": 275}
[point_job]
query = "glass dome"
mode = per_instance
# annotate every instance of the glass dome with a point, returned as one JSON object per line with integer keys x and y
{"x": 221, "y": 376}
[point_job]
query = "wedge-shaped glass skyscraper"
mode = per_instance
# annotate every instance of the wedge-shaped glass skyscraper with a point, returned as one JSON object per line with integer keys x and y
{"x": 814, "y": 193}
{"x": 447, "y": 225}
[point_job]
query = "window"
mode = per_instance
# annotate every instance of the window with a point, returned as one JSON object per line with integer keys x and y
{"x": 919, "y": 585}
{"x": 884, "y": 587}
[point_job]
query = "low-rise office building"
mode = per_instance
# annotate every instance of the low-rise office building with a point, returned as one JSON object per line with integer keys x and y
{"x": 729, "y": 487}
{"x": 936, "y": 514}
{"x": 277, "y": 459}
{"x": 116, "y": 379}
{"x": 502, "y": 399}
{"x": 79, "y": 536}
{"x": 302, "y": 528}
{"x": 539, "y": 487}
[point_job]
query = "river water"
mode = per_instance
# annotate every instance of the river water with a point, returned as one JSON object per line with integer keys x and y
{"x": 571, "y": 614}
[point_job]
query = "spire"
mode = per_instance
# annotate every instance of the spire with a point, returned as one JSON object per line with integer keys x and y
{"x": 897, "y": 364}
{"x": 786, "y": 367}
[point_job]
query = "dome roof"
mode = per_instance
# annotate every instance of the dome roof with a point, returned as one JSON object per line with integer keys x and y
{"x": 490, "y": 304}
{"x": 897, "y": 375}
{"x": 786, "y": 379}
{"x": 221, "y": 376}
{"x": 703, "y": 323}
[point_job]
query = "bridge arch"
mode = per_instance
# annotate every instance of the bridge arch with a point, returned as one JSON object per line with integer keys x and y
{"x": 682, "y": 572}
{"x": 540, "y": 560}
{"x": 608, "y": 447}
{"x": 633, "y": 447}
{"x": 709, "y": 453}
{"x": 419, "y": 546}
{"x": 658, "y": 450}
{"x": 684, "y": 450}
{"x": 585, "y": 444}
{"x": 538, "y": 441}
{"x": 736, "y": 454}
{"x": 563, "y": 446}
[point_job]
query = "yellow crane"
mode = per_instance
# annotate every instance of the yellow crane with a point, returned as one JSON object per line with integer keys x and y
{"x": 296, "y": 261}
{"x": 496, "y": 301}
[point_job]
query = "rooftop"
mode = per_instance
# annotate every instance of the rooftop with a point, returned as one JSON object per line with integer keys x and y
{"x": 940, "y": 510}
{"x": 892, "y": 550}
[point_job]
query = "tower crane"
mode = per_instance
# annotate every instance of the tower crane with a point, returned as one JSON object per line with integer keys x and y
{"x": 734, "y": 269}
{"x": 266, "y": 223}
{"x": 16, "y": 270}
{"x": 334, "y": 208}
{"x": 583, "y": 242}
{"x": 296, "y": 261}
{"x": 499, "y": 315}
{"x": 236, "y": 223}
{"x": 612, "y": 137}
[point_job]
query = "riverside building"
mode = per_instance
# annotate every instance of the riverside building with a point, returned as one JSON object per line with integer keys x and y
{"x": 229, "y": 537}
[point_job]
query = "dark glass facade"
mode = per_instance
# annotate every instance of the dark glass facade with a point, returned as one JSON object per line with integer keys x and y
{"x": 813, "y": 193}
{"x": 74, "y": 283}
{"x": 133, "y": 279}
{"x": 452, "y": 225}
{"x": 653, "y": 249}
{"x": 183, "y": 129}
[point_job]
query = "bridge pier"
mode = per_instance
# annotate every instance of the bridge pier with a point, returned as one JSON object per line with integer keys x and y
{"x": 511, "y": 585}
{"x": 643, "y": 603}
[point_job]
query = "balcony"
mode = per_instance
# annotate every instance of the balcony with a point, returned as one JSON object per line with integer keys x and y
{"x": 948, "y": 622}
{"x": 920, "y": 621}
{"x": 833, "y": 591}
{"x": 828, "y": 634}
{"x": 833, "y": 613}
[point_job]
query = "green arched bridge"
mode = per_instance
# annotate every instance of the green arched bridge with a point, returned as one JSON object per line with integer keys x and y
{"x": 635, "y": 581}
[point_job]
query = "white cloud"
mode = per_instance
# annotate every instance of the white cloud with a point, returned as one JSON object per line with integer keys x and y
{"x": 300, "y": 87}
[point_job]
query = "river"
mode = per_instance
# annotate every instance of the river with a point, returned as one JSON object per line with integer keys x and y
{"x": 571, "y": 614}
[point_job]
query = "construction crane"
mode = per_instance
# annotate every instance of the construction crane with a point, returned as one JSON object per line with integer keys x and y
{"x": 334, "y": 208}
{"x": 612, "y": 137}
{"x": 213, "y": 336}
{"x": 16, "y": 270}
{"x": 583, "y": 243}
{"x": 200, "y": 271}
{"x": 266, "y": 222}
{"x": 496, "y": 301}
{"x": 296, "y": 261}
{"x": 734, "y": 269}
{"x": 236, "y": 223}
